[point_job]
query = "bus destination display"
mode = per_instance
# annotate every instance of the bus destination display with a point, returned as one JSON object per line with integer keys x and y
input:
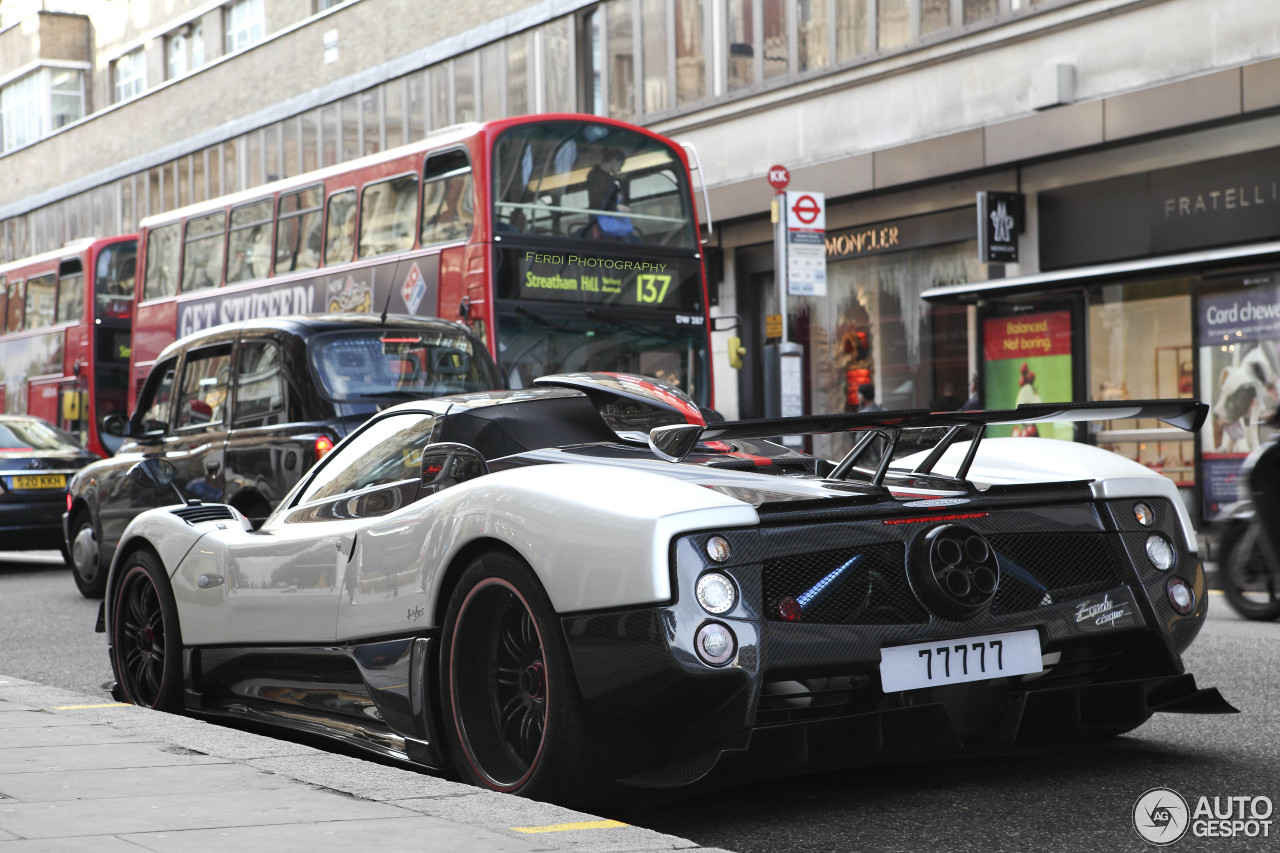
{"x": 607, "y": 280}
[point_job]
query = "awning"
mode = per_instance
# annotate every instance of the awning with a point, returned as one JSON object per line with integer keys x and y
{"x": 975, "y": 290}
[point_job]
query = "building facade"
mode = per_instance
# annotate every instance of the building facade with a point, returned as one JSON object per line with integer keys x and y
{"x": 1140, "y": 138}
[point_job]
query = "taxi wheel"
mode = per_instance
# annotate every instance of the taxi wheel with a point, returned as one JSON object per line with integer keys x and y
{"x": 86, "y": 559}
{"x": 513, "y": 715}
{"x": 146, "y": 641}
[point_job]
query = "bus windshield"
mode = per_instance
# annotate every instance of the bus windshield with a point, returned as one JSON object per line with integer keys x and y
{"x": 590, "y": 181}
{"x": 397, "y": 363}
{"x": 533, "y": 344}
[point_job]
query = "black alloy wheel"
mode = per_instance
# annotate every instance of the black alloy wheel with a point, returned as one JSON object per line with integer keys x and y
{"x": 86, "y": 558}
{"x": 1250, "y": 586}
{"x": 513, "y": 714}
{"x": 146, "y": 641}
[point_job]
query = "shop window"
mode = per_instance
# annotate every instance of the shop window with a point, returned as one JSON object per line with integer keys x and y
{"x": 1140, "y": 348}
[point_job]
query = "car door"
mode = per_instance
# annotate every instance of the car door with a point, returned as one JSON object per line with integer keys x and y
{"x": 287, "y": 581}
{"x": 196, "y": 445}
{"x": 118, "y": 498}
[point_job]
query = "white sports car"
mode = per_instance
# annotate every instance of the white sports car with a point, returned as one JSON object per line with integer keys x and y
{"x": 582, "y": 590}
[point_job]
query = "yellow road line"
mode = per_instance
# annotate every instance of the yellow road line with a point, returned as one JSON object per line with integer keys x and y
{"x": 85, "y": 707}
{"x": 567, "y": 827}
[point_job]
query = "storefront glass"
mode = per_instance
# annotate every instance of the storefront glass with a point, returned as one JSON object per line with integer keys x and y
{"x": 872, "y": 326}
{"x": 1140, "y": 349}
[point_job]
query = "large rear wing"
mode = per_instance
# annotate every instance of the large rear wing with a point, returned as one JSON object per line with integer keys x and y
{"x": 883, "y": 430}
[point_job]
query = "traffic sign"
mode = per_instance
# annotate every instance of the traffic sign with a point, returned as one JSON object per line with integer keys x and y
{"x": 806, "y": 210}
{"x": 779, "y": 177}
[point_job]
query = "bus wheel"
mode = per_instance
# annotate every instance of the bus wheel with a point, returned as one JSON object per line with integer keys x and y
{"x": 86, "y": 558}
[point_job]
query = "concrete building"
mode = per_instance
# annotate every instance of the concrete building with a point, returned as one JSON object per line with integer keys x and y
{"x": 1139, "y": 141}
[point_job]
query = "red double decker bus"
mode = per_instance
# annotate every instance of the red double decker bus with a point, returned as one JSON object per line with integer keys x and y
{"x": 567, "y": 243}
{"x": 65, "y": 336}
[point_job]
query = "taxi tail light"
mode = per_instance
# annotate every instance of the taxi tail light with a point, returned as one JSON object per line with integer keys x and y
{"x": 68, "y": 502}
{"x": 323, "y": 445}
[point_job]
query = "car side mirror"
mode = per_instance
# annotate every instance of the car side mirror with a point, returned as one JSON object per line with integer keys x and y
{"x": 115, "y": 425}
{"x": 447, "y": 464}
{"x": 155, "y": 473}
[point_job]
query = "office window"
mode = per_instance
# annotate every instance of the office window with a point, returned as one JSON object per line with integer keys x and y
{"x": 977, "y": 10}
{"x": 441, "y": 93}
{"x": 371, "y": 120}
{"x": 492, "y": 81}
{"x": 620, "y": 47}
{"x": 176, "y": 53}
{"x": 893, "y": 23}
{"x": 811, "y": 34}
{"x": 66, "y": 96}
{"x": 20, "y": 111}
{"x": 197, "y": 46}
{"x": 130, "y": 75}
{"x": 691, "y": 52}
{"x": 740, "y": 29}
{"x": 935, "y": 16}
{"x": 653, "y": 16}
{"x": 557, "y": 42}
{"x": 417, "y": 108}
{"x": 464, "y": 88}
{"x": 776, "y": 62}
{"x": 851, "y": 29}
{"x": 518, "y": 102}
{"x": 245, "y": 24}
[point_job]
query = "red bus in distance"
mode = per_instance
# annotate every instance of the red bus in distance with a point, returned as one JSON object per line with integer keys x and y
{"x": 566, "y": 242}
{"x": 65, "y": 336}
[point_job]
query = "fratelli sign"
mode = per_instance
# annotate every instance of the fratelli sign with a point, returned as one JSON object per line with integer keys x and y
{"x": 1200, "y": 205}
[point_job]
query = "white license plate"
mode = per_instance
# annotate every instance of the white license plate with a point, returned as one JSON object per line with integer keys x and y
{"x": 959, "y": 660}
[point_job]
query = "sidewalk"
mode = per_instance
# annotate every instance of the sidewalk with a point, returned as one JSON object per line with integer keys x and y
{"x": 80, "y": 775}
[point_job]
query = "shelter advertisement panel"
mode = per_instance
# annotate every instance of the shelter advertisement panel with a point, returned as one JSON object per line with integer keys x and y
{"x": 1028, "y": 360}
{"x": 1239, "y": 349}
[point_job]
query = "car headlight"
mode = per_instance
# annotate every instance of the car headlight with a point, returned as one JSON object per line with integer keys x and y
{"x": 1159, "y": 552}
{"x": 716, "y": 593}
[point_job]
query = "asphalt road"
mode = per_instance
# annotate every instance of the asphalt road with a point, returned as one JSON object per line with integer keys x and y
{"x": 1081, "y": 799}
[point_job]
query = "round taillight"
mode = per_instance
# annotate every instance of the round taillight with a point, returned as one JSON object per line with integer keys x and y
{"x": 789, "y": 610}
{"x": 715, "y": 644}
{"x": 1144, "y": 515}
{"x": 1181, "y": 596}
{"x": 1160, "y": 552}
{"x": 716, "y": 593}
{"x": 718, "y": 548}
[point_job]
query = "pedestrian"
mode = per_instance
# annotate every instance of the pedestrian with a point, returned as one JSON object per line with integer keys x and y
{"x": 867, "y": 398}
{"x": 974, "y": 401}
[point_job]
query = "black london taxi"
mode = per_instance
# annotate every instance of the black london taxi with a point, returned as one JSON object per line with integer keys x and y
{"x": 244, "y": 410}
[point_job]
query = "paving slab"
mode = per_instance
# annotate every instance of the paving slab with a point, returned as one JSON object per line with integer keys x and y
{"x": 109, "y": 783}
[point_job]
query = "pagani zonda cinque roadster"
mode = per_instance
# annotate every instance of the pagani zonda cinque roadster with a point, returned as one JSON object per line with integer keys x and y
{"x": 582, "y": 590}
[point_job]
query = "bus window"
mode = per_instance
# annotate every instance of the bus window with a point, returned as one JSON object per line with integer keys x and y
{"x": 40, "y": 301}
{"x": 298, "y": 231}
{"x": 591, "y": 181}
{"x": 202, "y": 255}
{"x": 340, "y": 236}
{"x": 249, "y": 244}
{"x": 448, "y": 204}
{"x": 388, "y": 216}
{"x": 70, "y": 294}
{"x": 162, "y": 262}
{"x": 14, "y": 322}
{"x": 113, "y": 279}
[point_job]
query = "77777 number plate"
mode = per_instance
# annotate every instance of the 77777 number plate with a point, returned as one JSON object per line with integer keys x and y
{"x": 959, "y": 659}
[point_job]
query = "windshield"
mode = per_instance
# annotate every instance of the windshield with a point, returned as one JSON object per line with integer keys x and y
{"x": 22, "y": 434}
{"x": 590, "y": 181}
{"x": 533, "y": 344}
{"x": 359, "y": 365}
